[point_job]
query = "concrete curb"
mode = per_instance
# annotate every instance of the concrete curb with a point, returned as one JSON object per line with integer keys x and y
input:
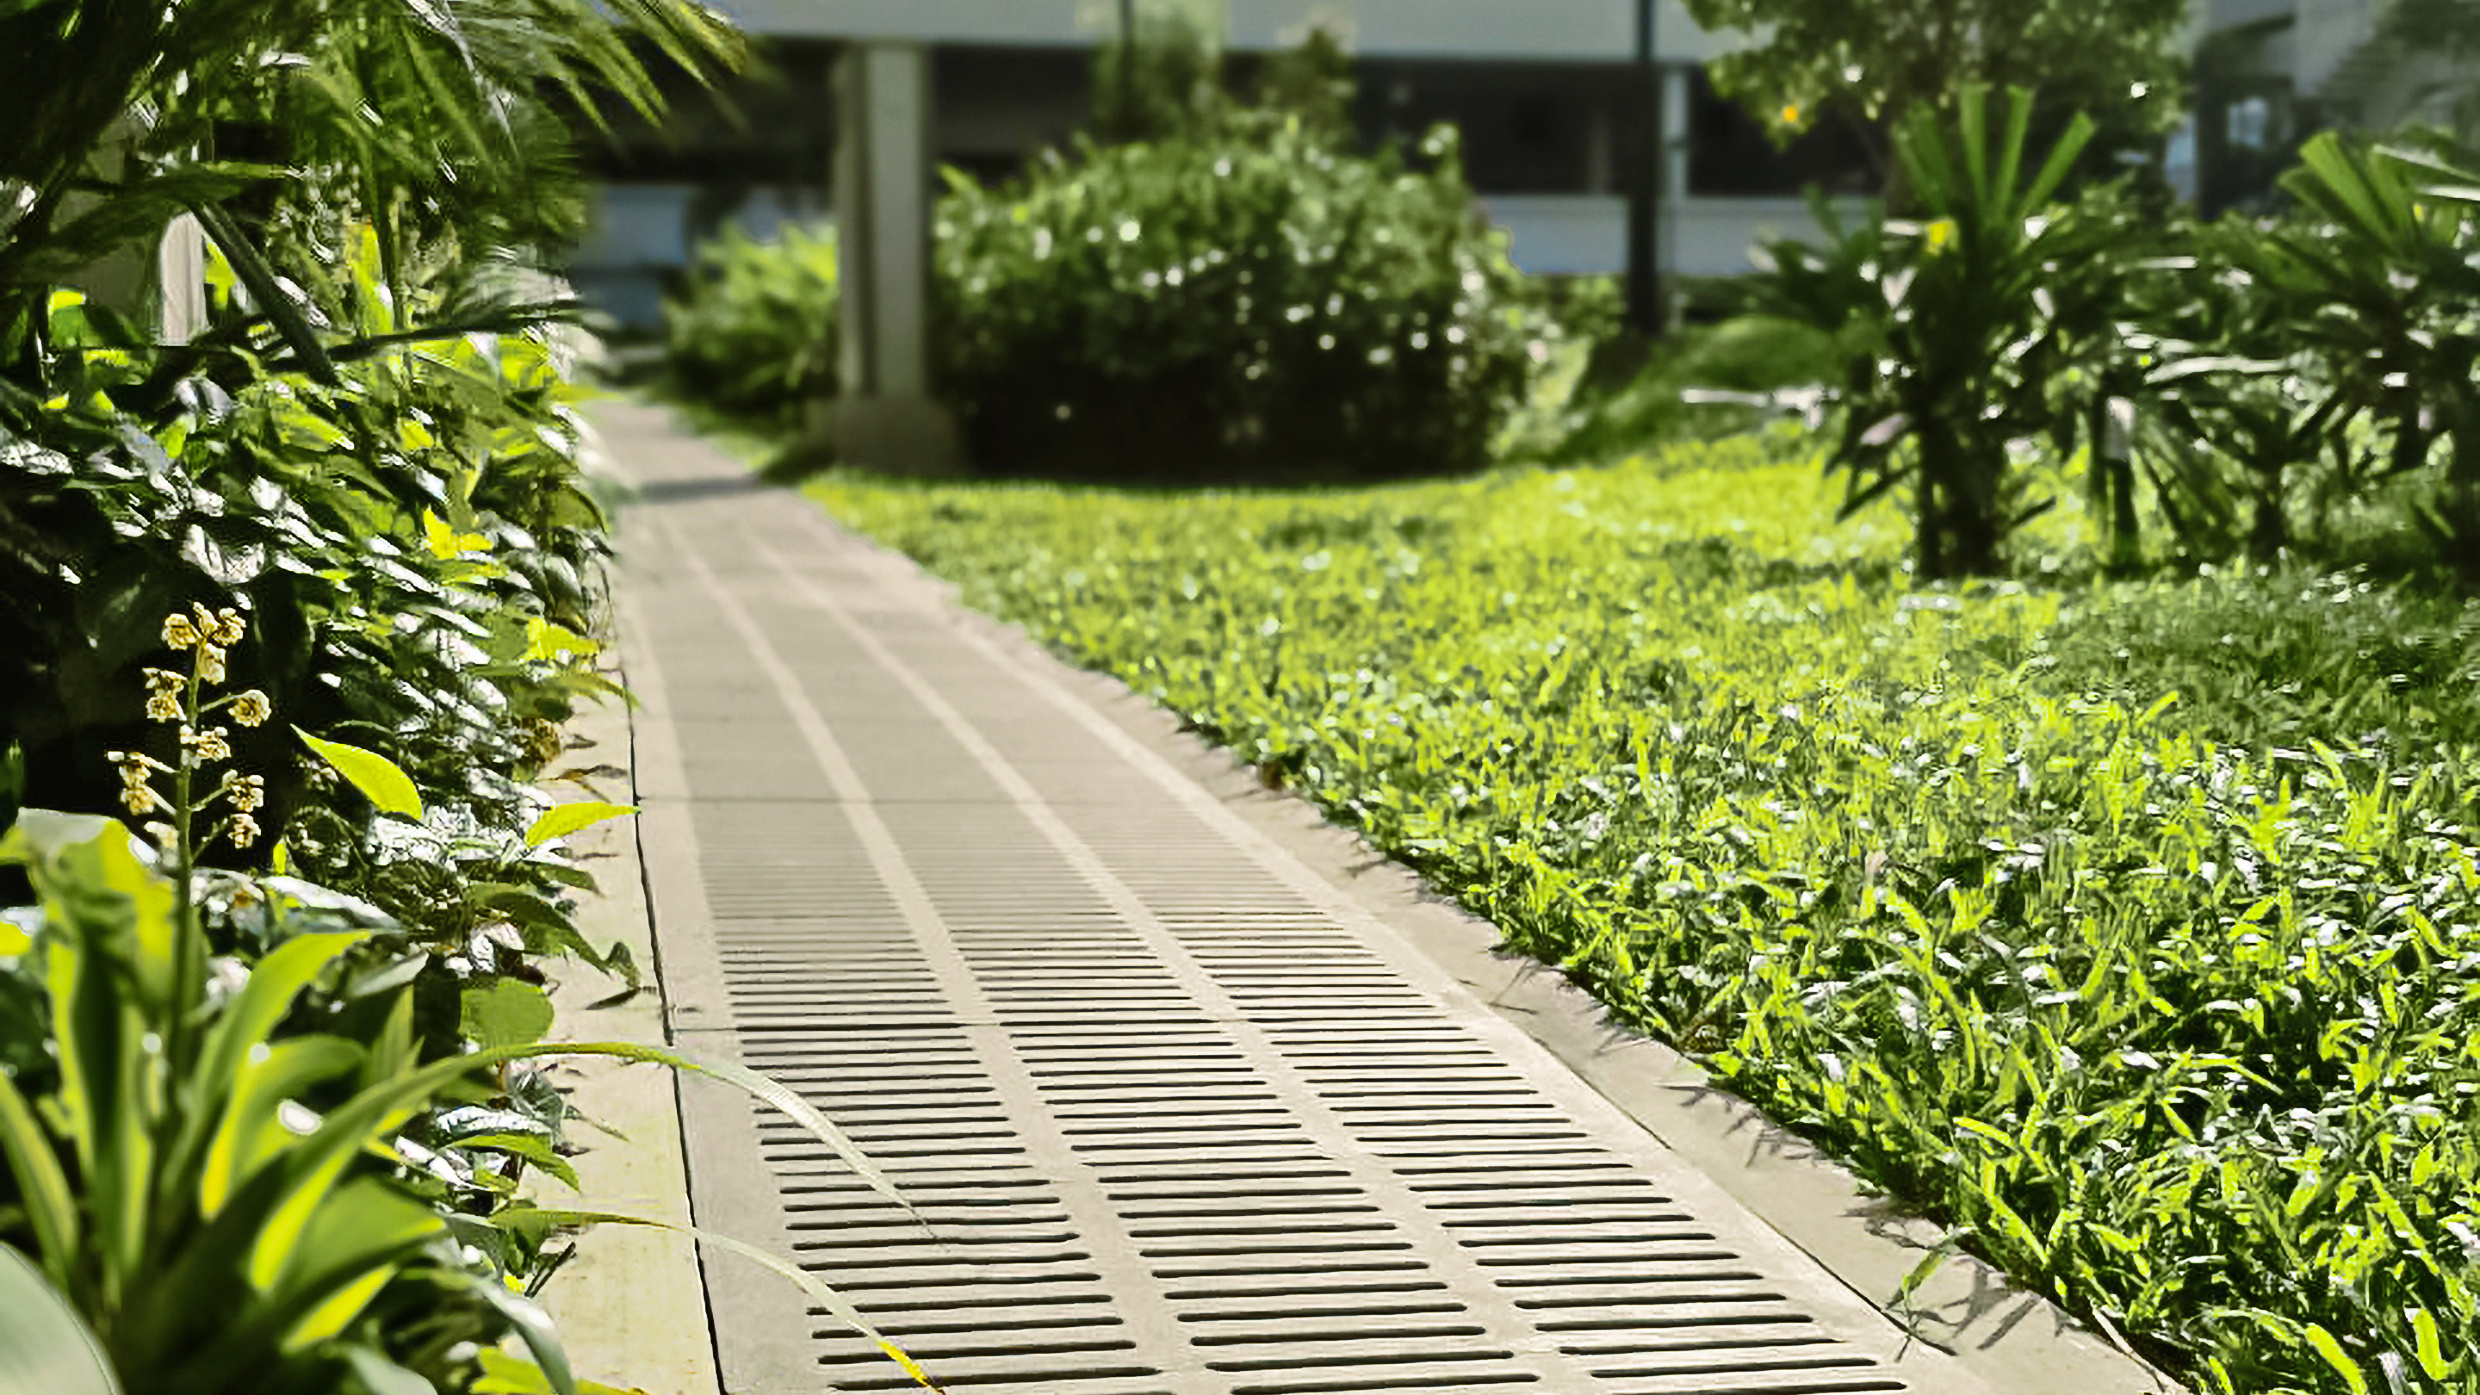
{"x": 632, "y": 1304}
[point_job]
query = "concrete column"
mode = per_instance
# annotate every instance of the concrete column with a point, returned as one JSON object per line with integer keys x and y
{"x": 885, "y": 416}
{"x": 181, "y": 272}
{"x": 1674, "y": 200}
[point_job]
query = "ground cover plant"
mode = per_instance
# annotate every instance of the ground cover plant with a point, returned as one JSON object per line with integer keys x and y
{"x": 2130, "y": 929}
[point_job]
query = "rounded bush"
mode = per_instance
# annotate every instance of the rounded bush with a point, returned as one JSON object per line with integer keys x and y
{"x": 753, "y": 329}
{"x": 1249, "y": 300}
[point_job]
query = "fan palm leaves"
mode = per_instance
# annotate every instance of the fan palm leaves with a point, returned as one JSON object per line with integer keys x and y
{"x": 426, "y": 117}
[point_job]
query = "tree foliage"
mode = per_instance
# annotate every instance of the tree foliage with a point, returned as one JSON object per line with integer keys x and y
{"x": 2117, "y": 60}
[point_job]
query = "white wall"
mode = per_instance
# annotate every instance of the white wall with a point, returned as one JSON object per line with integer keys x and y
{"x": 1539, "y": 30}
{"x": 1555, "y": 30}
{"x": 950, "y": 21}
{"x": 1586, "y": 234}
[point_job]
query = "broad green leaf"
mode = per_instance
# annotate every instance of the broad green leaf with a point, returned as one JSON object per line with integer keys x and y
{"x": 2426, "y": 1347}
{"x": 337, "y": 1310}
{"x": 2345, "y": 185}
{"x": 535, "y": 1151}
{"x": 45, "y": 1349}
{"x": 561, "y": 820}
{"x": 505, "y": 1012}
{"x": 507, "y": 1374}
{"x": 388, "y": 788}
{"x": 546, "y": 642}
{"x": 2062, "y": 156}
{"x": 42, "y": 1185}
{"x": 251, "y": 1132}
{"x": 533, "y": 1327}
{"x": 447, "y": 543}
{"x": 274, "y": 984}
{"x": 382, "y": 1376}
{"x": 348, "y": 1254}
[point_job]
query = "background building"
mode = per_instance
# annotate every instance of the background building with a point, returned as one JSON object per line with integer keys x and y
{"x": 1544, "y": 92}
{"x": 2270, "y": 73}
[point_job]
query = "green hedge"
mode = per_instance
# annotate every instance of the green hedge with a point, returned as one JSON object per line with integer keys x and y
{"x": 1254, "y": 297}
{"x": 1247, "y": 298}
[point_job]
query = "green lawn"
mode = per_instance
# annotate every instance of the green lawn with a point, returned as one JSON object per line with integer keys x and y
{"x": 2130, "y": 929}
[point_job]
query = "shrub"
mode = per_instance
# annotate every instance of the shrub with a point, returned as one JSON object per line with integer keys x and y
{"x": 1949, "y": 326}
{"x": 753, "y": 329}
{"x": 1257, "y": 300}
{"x": 1701, "y": 382}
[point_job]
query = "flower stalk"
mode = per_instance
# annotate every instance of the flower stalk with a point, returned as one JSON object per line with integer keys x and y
{"x": 179, "y": 700}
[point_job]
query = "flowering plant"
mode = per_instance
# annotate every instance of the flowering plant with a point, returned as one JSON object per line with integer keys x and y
{"x": 179, "y": 699}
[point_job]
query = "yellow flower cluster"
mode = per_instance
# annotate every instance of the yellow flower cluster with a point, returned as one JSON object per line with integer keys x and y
{"x": 210, "y": 633}
{"x": 172, "y": 697}
{"x": 164, "y": 691}
{"x": 245, "y": 792}
{"x": 136, "y": 768}
{"x": 223, "y": 627}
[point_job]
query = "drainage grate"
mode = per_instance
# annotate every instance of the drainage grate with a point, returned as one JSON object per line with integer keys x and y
{"x": 1173, "y": 1124}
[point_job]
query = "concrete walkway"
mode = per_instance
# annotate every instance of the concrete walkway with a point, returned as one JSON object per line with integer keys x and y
{"x": 1182, "y": 1109}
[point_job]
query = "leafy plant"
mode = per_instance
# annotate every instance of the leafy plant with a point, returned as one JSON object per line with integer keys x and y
{"x": 215, "y": 1230}
{"x": 1950, "y": 327}
{"x": 1258, "y": 299}
{"x": 754, "y": 329}
{"x": 2377, "y": 283}
{"x": 2249, "y": 415}
{"x": 128, "y": 116}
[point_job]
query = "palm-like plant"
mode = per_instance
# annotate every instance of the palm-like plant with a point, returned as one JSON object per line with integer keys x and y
{"x": 214, "y": 1234}
{"x": 2243, "y": 407}
{"x": 2379, "y": 284}
{"x": 424, "y": 117}
{"x": 1950, "y": 325}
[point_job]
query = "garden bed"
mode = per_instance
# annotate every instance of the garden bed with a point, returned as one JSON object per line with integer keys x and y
{"x": 2127, "y": 929}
